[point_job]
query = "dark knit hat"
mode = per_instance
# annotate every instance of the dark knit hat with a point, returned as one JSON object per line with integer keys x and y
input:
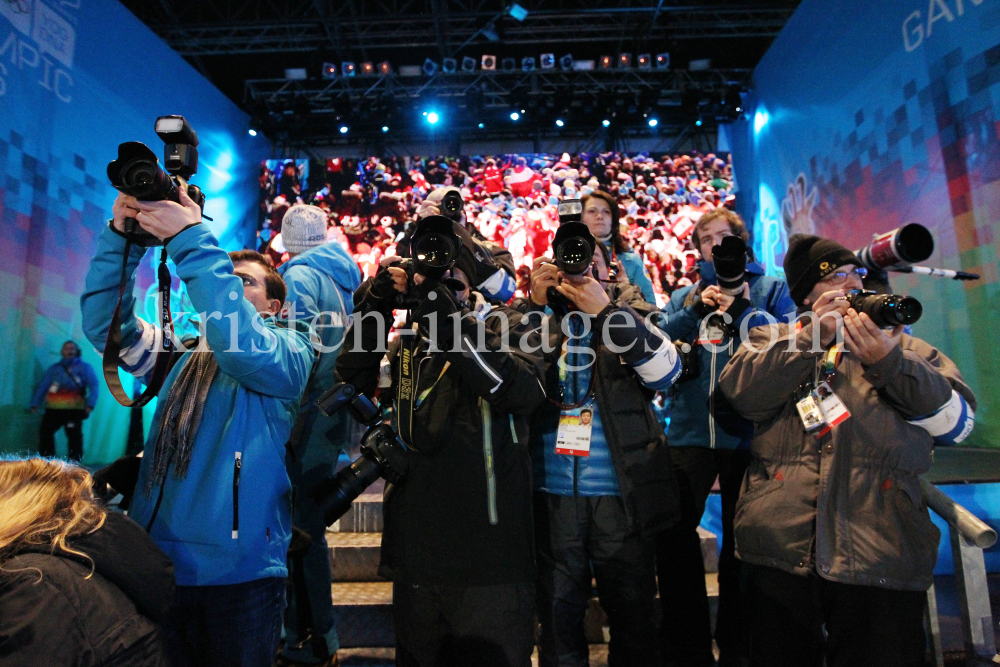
{"x": 809, "y": 260}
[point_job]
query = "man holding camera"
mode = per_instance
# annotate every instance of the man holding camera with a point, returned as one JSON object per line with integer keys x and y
{"x": 837, "y": 545}
{"x": 708, "y": 441}
{"x": 212, "y": 489}
{"x": 604, "y": 484}
{"x": 465, "y": 376}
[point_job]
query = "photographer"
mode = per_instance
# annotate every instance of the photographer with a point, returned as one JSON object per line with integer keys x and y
{"x": 457, "y": 535}
{"x": 837, "y": 545}
{"x": 604, "y": 484}
{"x": 221, "y": 423}
{"x": 706, "y": 442}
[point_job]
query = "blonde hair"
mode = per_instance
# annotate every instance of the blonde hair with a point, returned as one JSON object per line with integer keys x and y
{"x": 45, "y": 502}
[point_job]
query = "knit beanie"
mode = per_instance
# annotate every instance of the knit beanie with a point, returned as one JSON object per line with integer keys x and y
{"x": 303, "y": 227}
{"x": 809, "y": 260}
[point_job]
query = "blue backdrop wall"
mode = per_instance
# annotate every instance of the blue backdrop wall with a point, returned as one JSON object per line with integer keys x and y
{"x": 78, "y": 77}
{"x": 866, "y": 116}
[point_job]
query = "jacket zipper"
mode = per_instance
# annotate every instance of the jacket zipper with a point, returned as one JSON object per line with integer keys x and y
{"x": 486, "y": 367}
{"x": 237, "y": 466}
{"x": 491, "y": 482}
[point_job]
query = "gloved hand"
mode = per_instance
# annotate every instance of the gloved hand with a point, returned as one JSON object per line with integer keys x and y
{"x": 440, "y": 301}
{"x": 383, "y": 288}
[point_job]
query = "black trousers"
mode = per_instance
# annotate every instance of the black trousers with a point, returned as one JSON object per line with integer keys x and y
{"x": 686, "y": 633}
{"x": 460, "y": 626}
{"x": 52, "y": 421}
{"x": 865, "y": 625}
{"x": 580, "y": 537}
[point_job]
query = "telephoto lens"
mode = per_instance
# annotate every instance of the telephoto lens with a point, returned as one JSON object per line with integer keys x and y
{"x": 886, "y": 310}
{"x": 730, "y": 261}
{"x": 434, "y": 246}
{"x": 573, "y": 248}
{"x": 137, "y": 172}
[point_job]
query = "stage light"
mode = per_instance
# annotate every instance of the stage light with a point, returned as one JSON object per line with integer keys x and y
{"x": 490, "y": 33}
{"x": 430, "y": 67}
{"x": 489, "y": 62}
{"x": 701, "y": 65}
{"x": 296, "y": 74}
{"x": 699, "y": 122}
{"x": 343, "y": 129}
{"x": 645, "y": 61}
{"x": 605, "y": 62}
{"x": 548, "y": 60}
{"x": 347, "y": 69}
{"x": 508, "y": 64}
{"x": 385, "y": 128}
{"x": 518, "y": 12}
{"x": 384, "y": 67}
{"x": 559, "y": 122}
{"x": 566, "y": 62}
{"x": 449, "y": 65}
{"x": 433, "y": 118}
{"x": 367, "y": 68}
{"x": 527, "y": 64}
{"x": 653, "y": 122}
{"x": 514, "y": 115}
{"x": 606, "y": 122}
{"x": 468, "y": 64}
{"x": 329, "y": 70}
{"x": 625, "y": 60}
{"x": 481, "y": 126}
{"x": 662, "y": 60}
{"x": 253, "y": 132}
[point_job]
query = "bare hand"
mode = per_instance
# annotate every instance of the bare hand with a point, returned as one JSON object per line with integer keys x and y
{"x": 124, "y": 207}
{"x": 834, "y": 307}
{"x": 400, "y": 281}
{"x": 543, "y": 276}
{"x": 865, "y": 340}
{"x": 586, "y": 293}
{"x": 427, "y": 208}
{"x": 164, "y": 219}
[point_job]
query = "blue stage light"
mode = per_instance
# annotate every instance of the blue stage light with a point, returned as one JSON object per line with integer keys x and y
{"x": 560, "y": 122}
{"x": 514, "y": 115}
{"x": 606, "y": 123}
{"x": 343, "y": 129}
{"x": 653, "y": 122}
{"x": 432, "y": 117}
{"x": 385, "y": 128}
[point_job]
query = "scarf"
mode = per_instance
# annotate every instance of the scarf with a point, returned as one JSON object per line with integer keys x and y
{"x": 182, "y": 412}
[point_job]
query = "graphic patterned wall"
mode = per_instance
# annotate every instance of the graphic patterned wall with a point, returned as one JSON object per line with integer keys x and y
{"x": 77, "y": 77}
{"x": 866, "y": 117}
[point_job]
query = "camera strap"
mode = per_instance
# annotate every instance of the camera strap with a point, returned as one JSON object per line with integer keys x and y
{"x": 405, "y": 400}
{"x": 113, "y": 345}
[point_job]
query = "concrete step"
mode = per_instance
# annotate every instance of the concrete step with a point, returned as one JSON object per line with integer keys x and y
{"x": 365, "y": 515}
{"x": 364, "y": 612}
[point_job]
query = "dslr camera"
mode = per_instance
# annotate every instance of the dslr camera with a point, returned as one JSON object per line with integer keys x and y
{"x": 383, "y": 454}
{"x": 573, "y": 250}
{"x": 434, "y": 247}
{"x": 137, "y": 172}
{"x": 886, "y": 310}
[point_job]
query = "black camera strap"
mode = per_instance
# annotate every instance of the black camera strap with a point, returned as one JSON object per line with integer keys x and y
{"x": 113, "y": 345}
{"x": 405, "y": 394}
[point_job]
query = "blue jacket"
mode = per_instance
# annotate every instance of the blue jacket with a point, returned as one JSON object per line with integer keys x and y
{"x": 67, "y": 376}
{"x": 228, "y": 520}
{"x": 322, "y": 280}
{"x": 693, "y": 421}
{"x": 637, "y": 274}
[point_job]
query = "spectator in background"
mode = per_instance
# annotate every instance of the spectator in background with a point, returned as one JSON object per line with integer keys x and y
{"x": 321, "y": 279}
{"x": 68, "y": 390}
{"x": 600, "y": 214}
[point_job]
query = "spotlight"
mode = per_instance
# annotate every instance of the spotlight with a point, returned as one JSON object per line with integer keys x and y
{"x": 481, "y": 126}
{"x": 449, "y": 65}
{"x": 518, "y": 12}
{"x": 343, "y": 129}
{"x": 515, "y": 115}
{"x": 384, "y": 67}
{"x": 490, "y": 33}
{"x": 559, "y": 122}
{"x": 347, "y": 69}
{"x": 253, "y": 132}
{"x": 605, "y": 62}
{"x": 548, "y": 60}
{"x": 489, "y": 62}
{"x": 699, "y": 122}
{"x": 566, "y": 62}
{"x": 508, "y": 64}
{"x": 329, "y": 70}
{"x": 662, "y": 60}
{"x": 296, "y": 74}
{"x": 527, "y": 64}
{"x": 430, "y": 67}
{"x": 606, "y": 122}
{"x": 385, "y": 128}
{"x": 367, "y": 68}
{"x": 645, "y": 61}
{"x": 433, "y": 118}
{"x": 468, "y": 64}
{"x": 625, "y": 60}
{"x": 653, "y": 122}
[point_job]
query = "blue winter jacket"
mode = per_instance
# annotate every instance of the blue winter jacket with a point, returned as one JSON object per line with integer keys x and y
{"x": 637, "y": 274}
{"x": 695, "y": 418}
{"x": 228, "y": 520}
{"x": 68, "y": 376}
{"x": 321, "y": 284}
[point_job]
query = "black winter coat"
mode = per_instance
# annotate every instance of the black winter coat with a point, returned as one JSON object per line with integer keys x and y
{"x": 51, "y": 614}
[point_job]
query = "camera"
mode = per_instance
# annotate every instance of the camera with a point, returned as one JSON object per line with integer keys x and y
{"x": 452, "y": 205}
{"x": 434, "y": 247}
{"x": 382, "y": 454}
{"x": 570, "y": 210}
{"x": 573, "y": 250}
{"x": 886, "y": 310}
{"x": 730, "y": 261}
{"x": 137, "y": 172}
{"x": 905, "y": 245}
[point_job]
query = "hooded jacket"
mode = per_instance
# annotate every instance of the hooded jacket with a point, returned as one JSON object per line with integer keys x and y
{"x": 53, "y": 613}
{"x": 228, "y": 520}
{"x": 697, "y": 418}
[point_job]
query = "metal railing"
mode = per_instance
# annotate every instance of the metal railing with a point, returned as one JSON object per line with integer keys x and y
{"x": 969, "y": 536}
